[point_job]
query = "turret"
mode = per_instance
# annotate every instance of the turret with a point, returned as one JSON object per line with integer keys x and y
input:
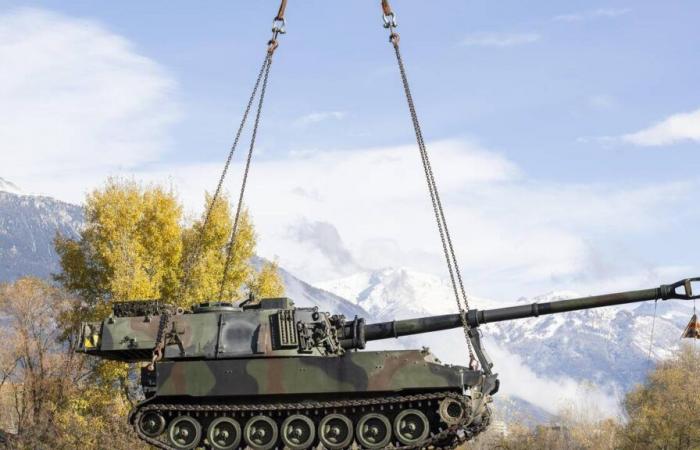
{"x": 273, "y": 327}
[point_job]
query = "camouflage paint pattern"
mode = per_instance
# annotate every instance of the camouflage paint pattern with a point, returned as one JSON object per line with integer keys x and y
{"x": 207, "y": 335}
{"x": 354, "y": 372}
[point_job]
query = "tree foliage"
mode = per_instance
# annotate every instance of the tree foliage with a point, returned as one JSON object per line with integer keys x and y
{"x": 130, "y": 247}
{"x": 664, "y": 412}
{"x": 205, "y": 255}
{"x": 49, "y": 395}
{"x": 268, "y": 282}
{"x": 135, "y": 245}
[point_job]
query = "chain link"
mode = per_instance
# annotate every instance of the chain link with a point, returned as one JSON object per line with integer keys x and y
{"x": 159, "y": 349}
{"x": 193, "y": 256}
{"x": 234, "y": 232}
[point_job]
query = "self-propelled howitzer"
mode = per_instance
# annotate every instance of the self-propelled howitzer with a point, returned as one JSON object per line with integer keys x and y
{"x": 265, "y": 374}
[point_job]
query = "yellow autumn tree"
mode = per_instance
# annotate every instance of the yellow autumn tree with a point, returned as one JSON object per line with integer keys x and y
{"x": 267, "y": 283}
{"x": 135, "y": 245}
{"x": 130, "y": 247}
{"x": 49, "y": 396}
{"x": 206, "y": 251}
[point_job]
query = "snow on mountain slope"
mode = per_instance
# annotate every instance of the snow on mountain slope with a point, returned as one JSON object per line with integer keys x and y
{"x": 28, "y": 225}
{"x": 8, "y": 186}
{"x": 401, "y": 293}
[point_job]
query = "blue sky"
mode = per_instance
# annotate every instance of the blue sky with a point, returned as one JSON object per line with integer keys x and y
{"x": 564, "y": 134}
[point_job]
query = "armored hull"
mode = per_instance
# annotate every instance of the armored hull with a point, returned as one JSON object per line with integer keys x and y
{"x": 406, "y": 399}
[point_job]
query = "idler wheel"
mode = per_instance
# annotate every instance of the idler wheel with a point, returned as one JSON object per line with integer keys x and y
{"x": 451, "y": 411}
{"x": 152, "y": 424}
{"x": 224, "y": 433}
{"x": 374, "y": 431}
{"x": 184, "y": 432}
{"x": 298, "y": 432}
{"x": 411, "y": 426}
{"x": 335, "y": 431}
{"x": 261, "y": 433}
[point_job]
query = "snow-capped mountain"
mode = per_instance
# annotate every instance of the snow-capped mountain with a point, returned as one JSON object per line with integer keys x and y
{"x": 400, "y": 293}
{"x": 596, "y": 354}
{"x": 608, "y": 347}
{"x": 28, "y": 225}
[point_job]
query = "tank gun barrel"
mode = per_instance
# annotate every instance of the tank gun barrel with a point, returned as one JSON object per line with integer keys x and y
{"x": 682, "y": 290}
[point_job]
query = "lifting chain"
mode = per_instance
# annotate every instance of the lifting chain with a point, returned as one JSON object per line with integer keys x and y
{"x": 234, "y": 233}
{"x": 461, "y": 298}
{"x": 278, "y": 27}
{"x": 159, "y": 349}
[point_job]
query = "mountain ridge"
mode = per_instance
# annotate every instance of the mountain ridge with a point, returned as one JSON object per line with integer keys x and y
{"x": 28, "y": 226}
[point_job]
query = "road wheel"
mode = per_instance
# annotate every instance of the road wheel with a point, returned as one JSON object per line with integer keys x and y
{"x": 184, "y": 433}
{"x": 152, "y": 424}
{"x": 411, "y": 427}
{"x": 335, "y": 431}
{"x": 224, "y": 434}
{"x": 261, "y": 433}
{"x": 298, "y": 432}
{"x": 373, "y": 431}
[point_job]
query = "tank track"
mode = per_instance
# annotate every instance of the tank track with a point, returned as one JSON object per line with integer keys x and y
{"x": 468, "y": 427}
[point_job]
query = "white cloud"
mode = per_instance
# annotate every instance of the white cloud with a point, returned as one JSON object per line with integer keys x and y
{"x": 316, "y": 117}
{"x": 677, "y": 128}
{"x": 76, "y": 100}
{"x": 549, "y": 393}
{"x": 594, "y": 14}
{"x": 536, "y": 235}
{"x": 552, "y": 394}
{"x": 499, "y": 39}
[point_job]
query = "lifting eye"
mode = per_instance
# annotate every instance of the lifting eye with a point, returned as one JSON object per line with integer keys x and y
{"x": 688, "y": 289}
